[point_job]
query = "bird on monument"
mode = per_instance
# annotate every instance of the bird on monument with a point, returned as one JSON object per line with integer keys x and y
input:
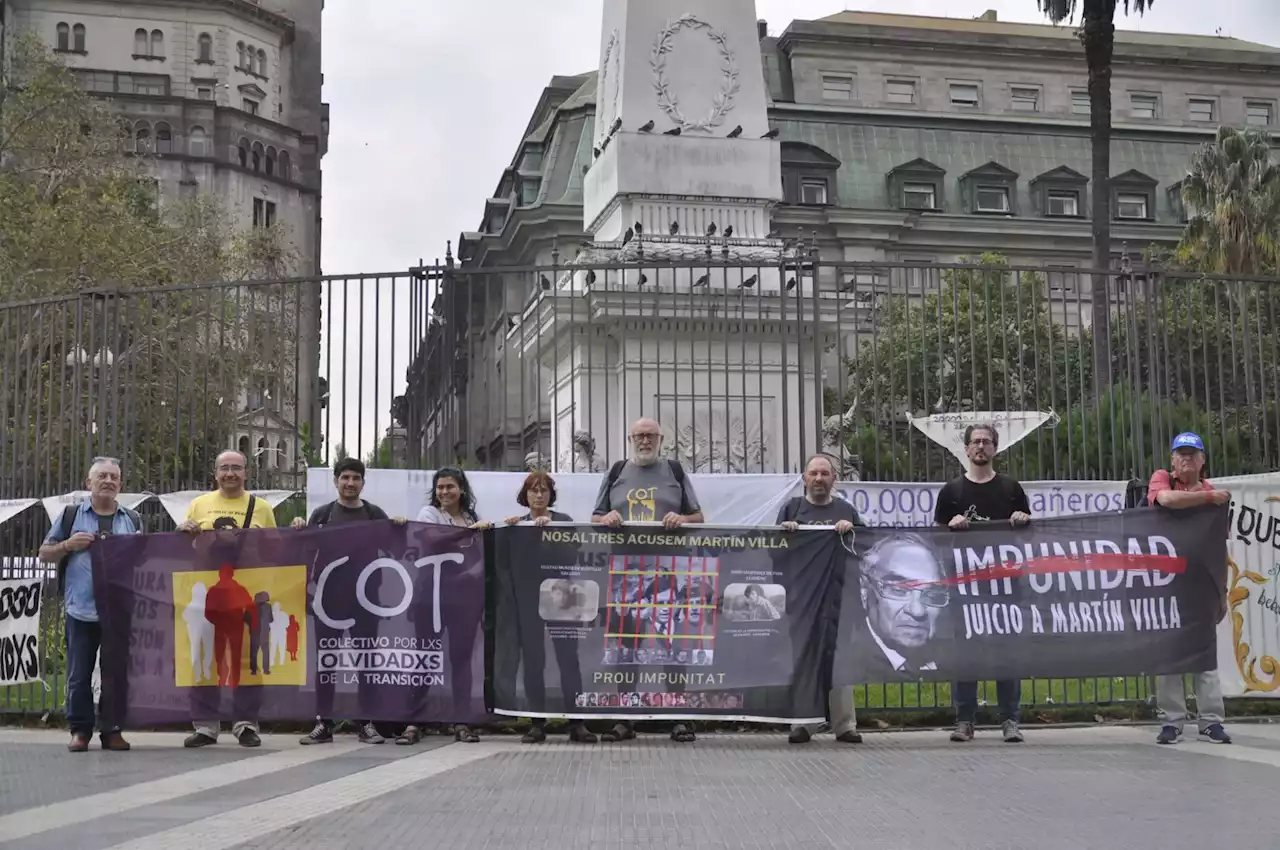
{"x": 748, "y": 283}
{"x": 711, "y": 229}
{"x": 675, "y": 228}
{"x": 628, "y": 236}
{"x": 604, "y": 144}
{"x": 646, "y": 127}
{"x": 772, "y": 134}
{"x": 511, "y": 323}
{"x": 546, "y": 284}
{"x": 595, "y": 152}
{"x": 639, "y": 229}
{"x": 728, "y": 232}
{"x": 674, "y": 131}
{"x": 617, "y": 125}
{"x": 591, "y": 276}
{"x": 735, "y": 132}
{"x": 643, "y": 279}
{"x": 774, "y": 232}
{"x": 791, "y": 284}
{"x": 702, "y": 281}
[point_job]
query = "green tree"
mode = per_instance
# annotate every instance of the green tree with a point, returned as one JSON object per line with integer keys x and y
{"x": 99, "y": 359}
{"x": 1098, "y": 34}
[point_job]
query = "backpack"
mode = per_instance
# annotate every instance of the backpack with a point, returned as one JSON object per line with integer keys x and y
{"x": 1135, "y": 495}
{"x": 68, "y": 520}
{"x": 677, "y": 471}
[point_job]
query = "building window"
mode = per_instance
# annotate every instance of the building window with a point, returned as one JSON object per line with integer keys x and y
{"x": 837, "y": 87}
{"x": 141, "y": 44}
{"x": 164, "y": 138}
{"x": 1131, "y": 205}
{"x": 251, "y": 58}
{"x": 919, "y": 196}
{"x": 256, "y": 156}
{"x": 242, "y": 153}
{"x": 1062, "y": 202}
{"x": 269, "y": 165}
{"x": 900, "y": 91}
{"x": 142, "y": 139}
{"x": 1064, "y": 279}
{"x": 1080, "y": 102}
{"x": 1201, "y": 109}
{"x": 813, "y": 191}
{"x": 264, "y": 213}
{"x": 992, "y": 199}
{"x": 262, "y": 62}
{"x": 240, "y": 54}
{"x": 157, "y": 44}
{"x": 204, "y": 93}
{"x": 1144, "y": 106}
{"x": 64, "y": 37}
{"x": 77, "y": 38}
{"x": 284, "y": 165}
{"x": 205, "y": 48}
{"x": 151, "y": 86}
{"x": 1025, "y": 99}
{"x": 964, "y": 95}
{"x": 1257, "y": 113}
{"x": 251, "y": 106}
{"x": 197, "y": 142}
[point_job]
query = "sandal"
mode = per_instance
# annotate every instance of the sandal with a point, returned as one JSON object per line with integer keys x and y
{"x": 682, "y": 734}
{"x": 535, "y": 735}
{"x": 619, "y": 732}
{"x": 410, "y": 736}
{"x": 580, "y": 734}
{"x": 464, "y": 735}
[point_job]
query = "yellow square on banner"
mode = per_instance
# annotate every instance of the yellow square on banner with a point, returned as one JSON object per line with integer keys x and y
{"x": 240, "y": 627}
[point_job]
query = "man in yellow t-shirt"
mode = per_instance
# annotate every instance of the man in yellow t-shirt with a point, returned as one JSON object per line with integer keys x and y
{"x": 225, "y": 509}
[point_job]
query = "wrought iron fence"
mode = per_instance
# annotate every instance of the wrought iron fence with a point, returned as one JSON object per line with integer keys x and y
{"x": 748, "y": 368}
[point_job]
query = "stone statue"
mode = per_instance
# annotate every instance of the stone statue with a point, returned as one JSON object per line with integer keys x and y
{"x": 535, "y": 462}
{"x": 581, "y": 457}
{"x": 835, "y": 438}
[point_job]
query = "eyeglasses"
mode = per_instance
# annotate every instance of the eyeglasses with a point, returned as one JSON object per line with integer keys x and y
{"x": 896, "y": 591}
{"x": 981, "y": 443}
{"x": 645, "y": 436}
{"x": 231, "y": 468}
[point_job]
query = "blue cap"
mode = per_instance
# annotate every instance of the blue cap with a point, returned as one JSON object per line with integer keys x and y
{"x": 1188, "y": 440}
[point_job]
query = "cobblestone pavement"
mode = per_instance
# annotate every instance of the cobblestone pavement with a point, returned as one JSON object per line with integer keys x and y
{"x": 1063, "y": 788}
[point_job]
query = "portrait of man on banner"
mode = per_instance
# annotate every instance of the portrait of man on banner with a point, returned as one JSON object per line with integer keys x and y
{"x": 905, "y": 597}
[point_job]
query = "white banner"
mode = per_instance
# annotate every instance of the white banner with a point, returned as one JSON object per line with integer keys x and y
{"x": 10, "y": 508}
{"x": 53, "y": 505}
{"x": 176, "y": 504}
{"x": 1249, "y": 636}
{"x": 947, "y": 429}
{"x": 19, "y": 631}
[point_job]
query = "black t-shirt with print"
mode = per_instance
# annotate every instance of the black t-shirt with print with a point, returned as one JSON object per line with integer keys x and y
{"x": 336, "y": 513}
{"x": 997, "y": 499}
{"x": 807, "y": 513}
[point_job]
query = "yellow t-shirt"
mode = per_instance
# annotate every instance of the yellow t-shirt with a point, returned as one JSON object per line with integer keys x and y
{"x": 214, "y": 511}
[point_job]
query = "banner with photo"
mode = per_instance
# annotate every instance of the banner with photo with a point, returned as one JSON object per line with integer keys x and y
{"x": 642, "y": 622}
{"x": 19, "y": 631}
{"x": 1103, "y": 595}
{"x": 727, "y": 499}
{"x": 370, "y": 620}
{"x": 1249, "y": 637}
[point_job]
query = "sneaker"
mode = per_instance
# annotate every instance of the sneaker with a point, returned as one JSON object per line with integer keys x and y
{"x": 963, "y": 732}
{"x": 1216, "y": 733}
{"x": 849, "y": 737}
{"x": 199, "y": 739}
{"x": 115, "y": 742}
{"x": 249, "y": 738}
{"x": 1012, "y": 734}
{"x": 369, "y": 734}
{"x": 79, "y": 744}
{"x": 1169, "y": 735}
{"x": 799, "y": 735}
{"x": 322, "y": 734}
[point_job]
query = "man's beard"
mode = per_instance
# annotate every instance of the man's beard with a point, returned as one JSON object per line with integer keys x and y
{"x": 645, "y": 459}
{"x": 982, "y": 460}
{"x": 819, "y": 492}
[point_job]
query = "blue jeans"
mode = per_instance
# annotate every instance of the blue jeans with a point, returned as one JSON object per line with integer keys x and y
{"x": 1008, "y": 695}
{"x": 83, "y": 642}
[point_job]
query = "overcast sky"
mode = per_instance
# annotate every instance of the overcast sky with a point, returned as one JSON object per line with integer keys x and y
{"x": 428, "y": 103}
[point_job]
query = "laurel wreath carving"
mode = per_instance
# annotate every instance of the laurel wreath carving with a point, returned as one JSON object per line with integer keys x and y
{"x": 1237, "y": 595}
{"x": 668, "y": 101}
{"x": 605, "y": 77}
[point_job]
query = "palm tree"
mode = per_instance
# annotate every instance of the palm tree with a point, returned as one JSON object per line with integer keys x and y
{"x": 1098, "y": 35}
{"x": 1232, "y": 197}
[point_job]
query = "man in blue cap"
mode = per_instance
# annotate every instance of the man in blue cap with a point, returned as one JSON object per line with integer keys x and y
{"x": 1184, "y": 486}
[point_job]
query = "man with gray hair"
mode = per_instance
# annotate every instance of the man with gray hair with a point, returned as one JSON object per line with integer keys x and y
{"x": 904, "y": 592}
{"x": 67, "y": 545}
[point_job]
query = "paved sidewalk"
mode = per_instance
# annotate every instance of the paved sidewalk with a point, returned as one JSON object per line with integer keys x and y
{"x": 1079, "y": 788}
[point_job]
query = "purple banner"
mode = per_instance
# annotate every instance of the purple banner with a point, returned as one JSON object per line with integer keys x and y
{"x": 368, "y": 621}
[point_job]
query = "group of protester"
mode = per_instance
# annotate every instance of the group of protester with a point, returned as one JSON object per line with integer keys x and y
{"x": 667, "y": 496}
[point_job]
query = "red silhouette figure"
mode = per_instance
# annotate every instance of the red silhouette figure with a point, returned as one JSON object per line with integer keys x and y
{"x": 291, "y": 638}
{"x": 230, "y": 608}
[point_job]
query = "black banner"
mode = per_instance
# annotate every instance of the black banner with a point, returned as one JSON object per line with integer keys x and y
{"x": 642, "y": 622}
{"x": 1100, "y": 595}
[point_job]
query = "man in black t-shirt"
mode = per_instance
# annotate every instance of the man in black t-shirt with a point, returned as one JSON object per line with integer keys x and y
{"x": 819, "y": 506}
{"x": 983, "y": 495}
{"x": 348, "y": 478}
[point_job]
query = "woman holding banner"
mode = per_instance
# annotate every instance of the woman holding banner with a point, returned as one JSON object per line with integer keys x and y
{"x": 452, "y": 502}
{"x": 538, "y": 494}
